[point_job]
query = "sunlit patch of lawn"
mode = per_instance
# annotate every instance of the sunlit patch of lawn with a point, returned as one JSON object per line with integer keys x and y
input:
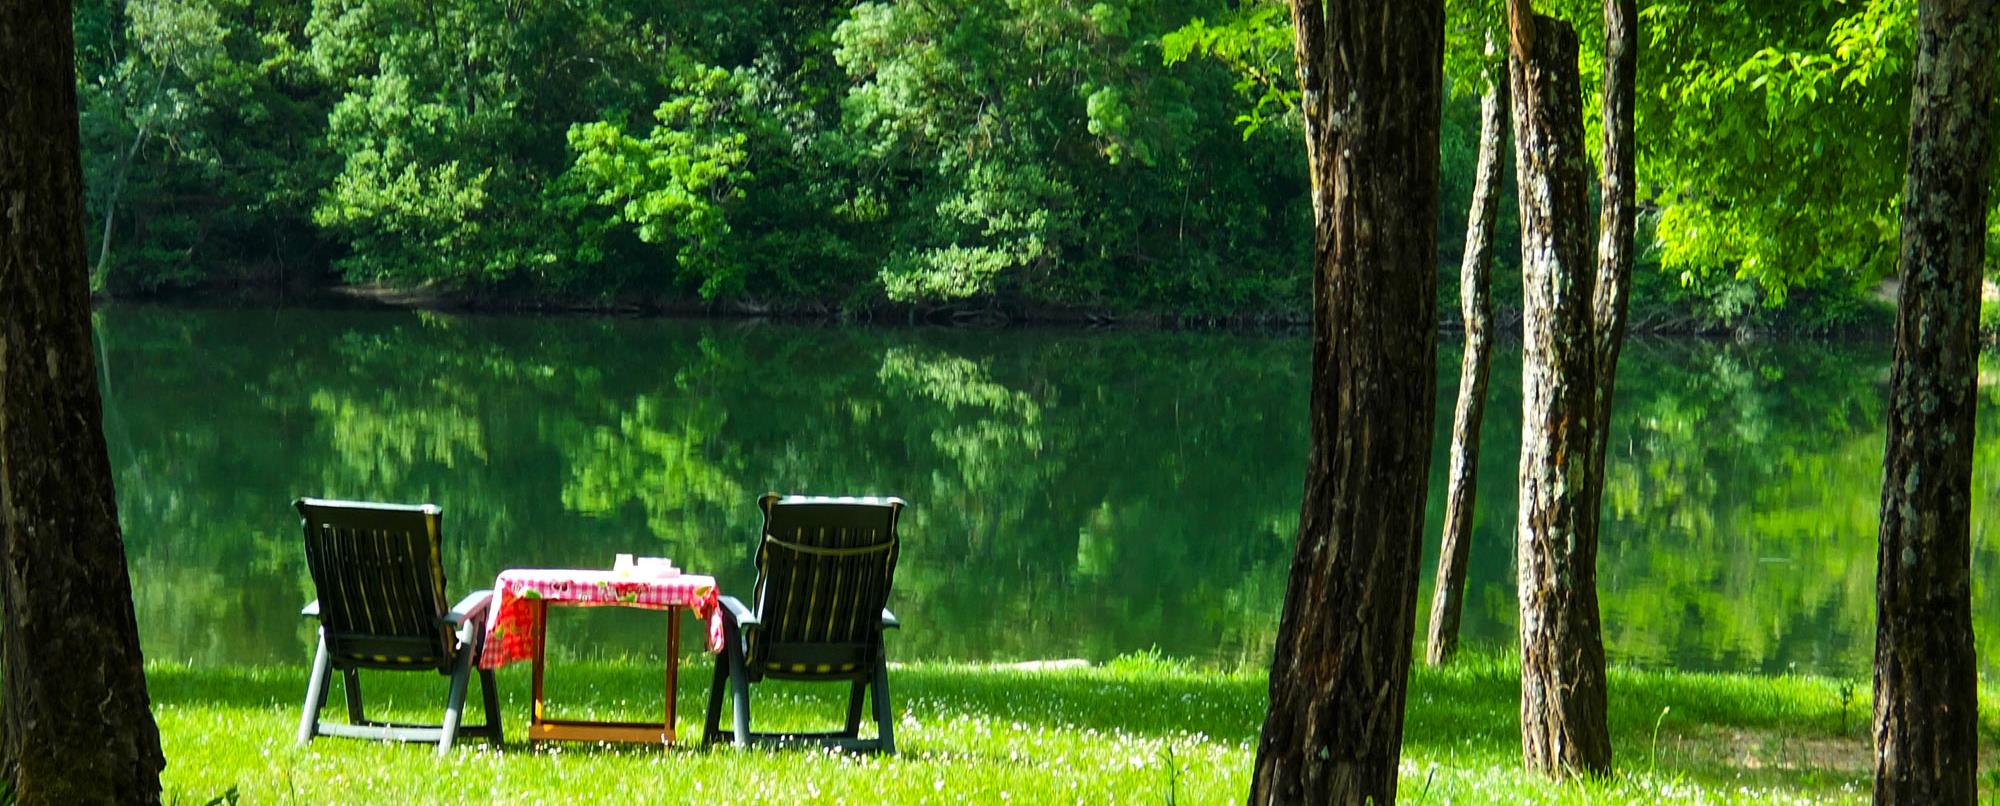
{"x": 1139, "y": 730}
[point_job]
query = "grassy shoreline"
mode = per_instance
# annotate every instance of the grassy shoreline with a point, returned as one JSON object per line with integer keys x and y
{"x": 1137, "y": 730}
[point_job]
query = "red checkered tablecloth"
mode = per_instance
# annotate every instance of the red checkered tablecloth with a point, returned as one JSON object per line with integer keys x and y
{"x": 510, "y": 623}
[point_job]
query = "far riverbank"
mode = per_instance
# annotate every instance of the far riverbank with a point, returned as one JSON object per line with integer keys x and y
{"x": 1865, "y": 319}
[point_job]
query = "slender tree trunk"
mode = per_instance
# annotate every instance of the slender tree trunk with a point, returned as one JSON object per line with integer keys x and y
{"x": 1476, "y": 307}
{"x": 1371, "y": 71}
{"x": 1614, "y": 229}
{"x": 75, "y": 725}
{"x": 102, "y": 275}
{"x": 1563, "y": 726}
{"x": 1926, "y": 699}
{"x": 1616, "y": 189}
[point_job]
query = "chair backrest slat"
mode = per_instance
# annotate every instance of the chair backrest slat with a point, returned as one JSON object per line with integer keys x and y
{"x": 380, "y": 579}
{"x": 825, "y": 567}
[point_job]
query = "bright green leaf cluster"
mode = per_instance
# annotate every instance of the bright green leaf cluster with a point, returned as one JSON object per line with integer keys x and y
{"x": 674, "y": 185}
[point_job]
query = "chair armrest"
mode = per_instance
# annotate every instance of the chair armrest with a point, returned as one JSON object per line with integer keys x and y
{"x": 889, "y": 621}
{"x": 739, "y": 613}
{"x": 472, "y": 606}
{"x": 311, "y": 610}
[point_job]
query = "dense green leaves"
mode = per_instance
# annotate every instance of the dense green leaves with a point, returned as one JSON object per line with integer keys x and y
{"x": 1773, "y": 137}
{"x": 201, "y": 132}
{"x": 673, "y": 186}
{"x": 1018, "y": 154}
{"x": 770, "y": 153}
{"x": 450, "y": 126}
{"x": 1041, "y": 149}
{"x": 1255, "y": 41}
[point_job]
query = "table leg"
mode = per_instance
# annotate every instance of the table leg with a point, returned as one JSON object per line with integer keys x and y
{"x": 544, "y": 728}
{"x": 541, "y": 617}
{"x": 673, "y": 668}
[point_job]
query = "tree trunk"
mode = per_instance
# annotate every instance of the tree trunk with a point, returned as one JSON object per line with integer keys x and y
{"x": 1926, "y": 703}
{"x": 74, "y": 720}
{"x": 101, "y": 277}
{"x": 1563, "y": 725}
{"x": 1614, "y": 229}
{"x": 1372, "y": 75}
{"x": 1475, "y": 304}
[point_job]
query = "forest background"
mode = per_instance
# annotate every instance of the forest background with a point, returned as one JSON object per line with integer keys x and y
{"x": 985, "y": 159}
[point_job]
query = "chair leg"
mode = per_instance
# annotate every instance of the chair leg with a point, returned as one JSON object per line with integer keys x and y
{"x": 490, "y": 693}
{"x": 885, "y": 714}
{"x": 711, "y": 726}
{"x": 854, "y": 708}
{"x": 315, "y": 693}
{"x": 454, "y": 705}
{"x": 472, "y": 642}
{"x": 739, "y": 690}
{"x": 355, "y": 714}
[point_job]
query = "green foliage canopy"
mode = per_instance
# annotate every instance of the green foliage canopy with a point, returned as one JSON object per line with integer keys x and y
{"x": 1115, "y": 154}
{"x": 768, "y": 153}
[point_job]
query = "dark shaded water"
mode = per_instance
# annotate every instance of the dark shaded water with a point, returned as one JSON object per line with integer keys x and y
{"x": 1073, "y": 494}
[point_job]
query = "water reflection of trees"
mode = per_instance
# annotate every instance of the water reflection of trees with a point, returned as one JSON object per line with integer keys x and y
{"x": 1074, "y": 494}
{"x": 1743, "y": 506}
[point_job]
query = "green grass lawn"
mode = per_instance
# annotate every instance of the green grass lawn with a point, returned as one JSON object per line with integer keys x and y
{"x": 1135, "y": 731}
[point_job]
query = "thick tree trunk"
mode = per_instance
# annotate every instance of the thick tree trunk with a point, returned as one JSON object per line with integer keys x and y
{"x": 1563, "y": 725}
{"x": 74, "y": 720}
{"x": 1926, "y": 704}
{"x": 1371, "y": 71}
{"x": 1475, "y": 304}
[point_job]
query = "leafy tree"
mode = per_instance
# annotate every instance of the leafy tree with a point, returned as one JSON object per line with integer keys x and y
{"x": 202, "y": 143}
{"x": 1018, "y": 156}
{"x": 1034, "y": 148}
{"x": 674, "y": 186}
{"x": 1774, "y": 136}
{"x": 173, "y": 39}
{"x": 449, "y": 128}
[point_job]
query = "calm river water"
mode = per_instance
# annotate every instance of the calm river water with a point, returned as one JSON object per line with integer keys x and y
{"x": 1073, "y": 494}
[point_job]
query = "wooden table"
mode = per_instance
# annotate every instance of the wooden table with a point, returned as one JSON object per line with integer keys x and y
{"x": 543, "y": 728}
{"x": 517, "y": 630}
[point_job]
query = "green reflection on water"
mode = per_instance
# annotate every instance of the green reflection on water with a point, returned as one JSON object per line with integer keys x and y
{"x": 1074, "y": 494}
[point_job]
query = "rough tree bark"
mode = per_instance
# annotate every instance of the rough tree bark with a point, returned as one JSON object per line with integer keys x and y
{"x": 1926, "y": 743}
{"x": 1475, "y": 304}
{"x": 1563, "y": 726}
{"x": 1371, "y": 75}
{"x": 75, "y": 724}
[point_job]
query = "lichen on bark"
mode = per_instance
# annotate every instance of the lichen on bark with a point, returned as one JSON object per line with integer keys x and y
{"x": 1563, "y": 689}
